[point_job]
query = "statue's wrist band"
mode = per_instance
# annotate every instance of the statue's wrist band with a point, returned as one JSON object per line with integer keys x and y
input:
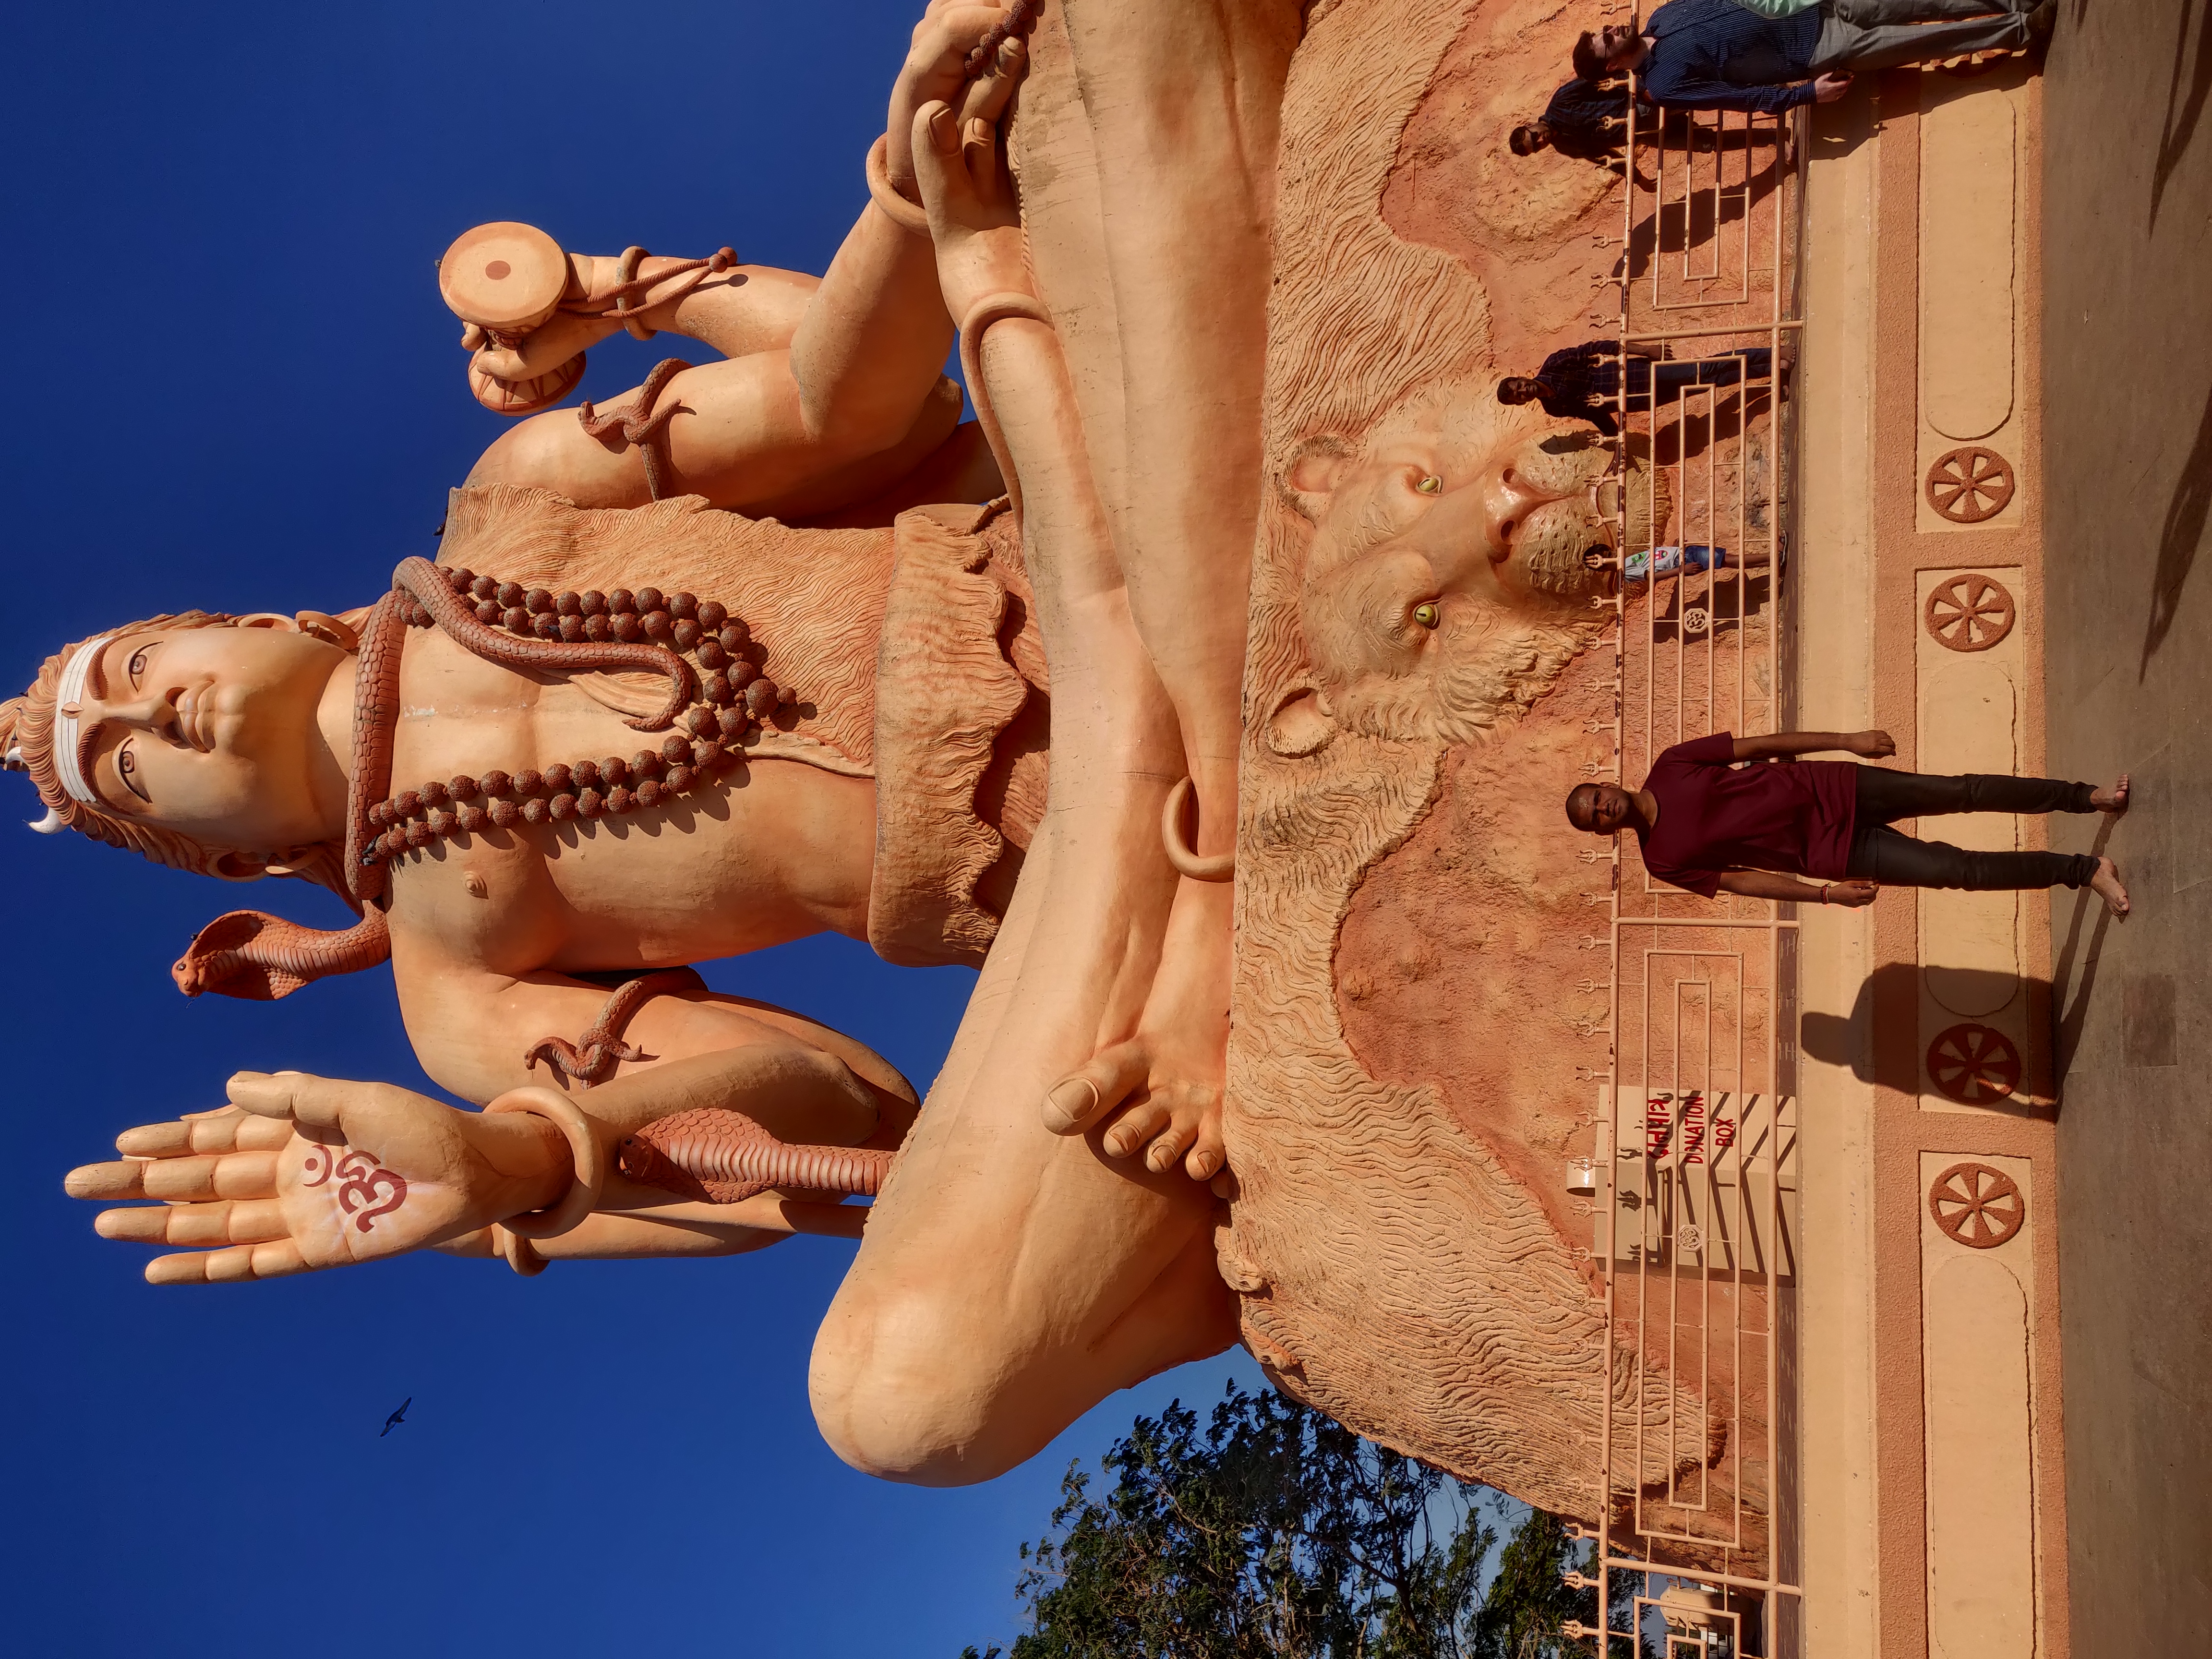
{"x": 992, "y": 308}
{"x": 591, "y": 1165}
{"x": 900, "y": 211}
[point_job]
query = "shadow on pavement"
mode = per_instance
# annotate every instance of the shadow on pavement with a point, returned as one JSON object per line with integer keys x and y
{"x": 2175, "y": 136}
{"x": 2181, "y": 534}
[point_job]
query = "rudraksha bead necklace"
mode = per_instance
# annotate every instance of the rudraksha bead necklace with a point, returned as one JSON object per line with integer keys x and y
{"x": 735, "y": 699}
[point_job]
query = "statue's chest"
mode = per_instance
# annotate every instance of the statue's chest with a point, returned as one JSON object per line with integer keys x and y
{"x": 520, "y": 897}
{"x": 460, "y": 715}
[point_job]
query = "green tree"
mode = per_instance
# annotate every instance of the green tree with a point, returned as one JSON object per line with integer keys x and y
{"x": 1278, "y": 1533}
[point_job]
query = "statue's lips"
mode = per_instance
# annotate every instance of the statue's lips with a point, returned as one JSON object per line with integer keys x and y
{"x": 196, "y": 717}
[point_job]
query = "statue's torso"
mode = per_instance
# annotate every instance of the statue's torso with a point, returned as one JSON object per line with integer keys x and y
{"x": 773, "y": 850}
{"x": 899, "y": 649}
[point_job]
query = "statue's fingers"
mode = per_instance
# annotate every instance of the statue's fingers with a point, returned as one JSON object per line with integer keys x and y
{"x": 987, "y": 95}
{"x": 1084, "y": 1096}
{"x": 256, "y": 1134}
{"x": 203, "y": 1226}
{"x": 229, "y": 1130}
{"x": 945, "y": 186}
{"x": 979, "y": 154}
{"x": 142, "y": 1224}
{"x": 156, "y": 1139}
{"x": 105, "y": 1181}
{"x": 233, "y": 1266}
{"x": 303, "y": 1097}
{"x": 232, "y": 1175}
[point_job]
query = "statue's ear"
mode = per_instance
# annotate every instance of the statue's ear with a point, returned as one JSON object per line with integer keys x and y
{"x": 1317, "y": 466}
{"x": 1301, "y": 724}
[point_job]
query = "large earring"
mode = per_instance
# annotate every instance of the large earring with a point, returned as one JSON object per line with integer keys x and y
{"x": 329, "y": 630}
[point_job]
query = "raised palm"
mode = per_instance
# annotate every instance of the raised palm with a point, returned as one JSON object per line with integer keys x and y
{"x": 301, "y": 1172}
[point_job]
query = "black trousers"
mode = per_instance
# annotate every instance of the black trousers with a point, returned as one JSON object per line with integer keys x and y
{"x": 1881, "y": 854}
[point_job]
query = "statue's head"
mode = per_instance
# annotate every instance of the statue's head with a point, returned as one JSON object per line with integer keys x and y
{"x": 203, "y": 742}
{"x": 1446, "y": 584}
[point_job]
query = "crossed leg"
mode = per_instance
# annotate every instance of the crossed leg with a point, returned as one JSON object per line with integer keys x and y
{"x": 1183, "y": 105}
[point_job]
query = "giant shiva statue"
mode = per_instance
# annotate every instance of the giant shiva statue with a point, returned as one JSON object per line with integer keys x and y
{"x": 774, "y": 645}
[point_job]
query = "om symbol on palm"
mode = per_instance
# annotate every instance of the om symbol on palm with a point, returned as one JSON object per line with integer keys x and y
{"x": 363, "y": 1183}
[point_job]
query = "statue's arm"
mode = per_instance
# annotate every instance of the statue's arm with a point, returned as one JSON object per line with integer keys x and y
{"x": 851, "y": 401}
{"x": 475, "y": 1032}
{"x": 298, "y": 1172}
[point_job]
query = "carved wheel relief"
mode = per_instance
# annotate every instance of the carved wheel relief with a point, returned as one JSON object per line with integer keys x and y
{"x": 1969, "y": 612}
{"x": 1970, "y": 483}
{"x": 1974, "y": 1065}
{"x": 1977, "y": 1206}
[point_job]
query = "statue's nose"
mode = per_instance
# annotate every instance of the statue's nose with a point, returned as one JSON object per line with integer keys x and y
{"x": 1507, "y": 499}
{"x": 148, "y": 714}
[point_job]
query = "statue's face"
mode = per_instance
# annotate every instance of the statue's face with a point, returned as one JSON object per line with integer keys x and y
{"x": 213, "y": 732}
{"x": 1447, "y": 567}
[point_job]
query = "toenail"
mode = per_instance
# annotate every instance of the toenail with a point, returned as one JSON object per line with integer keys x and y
{"x": 1072, "y": 1100}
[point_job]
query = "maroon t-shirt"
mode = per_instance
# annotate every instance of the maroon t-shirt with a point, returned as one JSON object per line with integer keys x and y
{"x": 1715, "y": 816}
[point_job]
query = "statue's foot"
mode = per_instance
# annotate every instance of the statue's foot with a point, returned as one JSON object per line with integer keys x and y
{"x": 1161, "y": 1089}
{"x": 1174, "y": 1119}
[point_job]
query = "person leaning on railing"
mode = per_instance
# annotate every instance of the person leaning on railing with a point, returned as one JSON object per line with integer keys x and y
{"x": 1709, "y": 826}
{"x": 1580, "y": 382}
{"x": 1770, "y": 57}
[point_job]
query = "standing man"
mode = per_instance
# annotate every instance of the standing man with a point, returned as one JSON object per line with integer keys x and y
{"x": 1709, "y": 827}
{"x": 1719, "y": 54}
{"x": 1580, "y": 383}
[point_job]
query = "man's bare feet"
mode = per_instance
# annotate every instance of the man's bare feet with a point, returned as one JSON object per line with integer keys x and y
{"x": 2114, "y": 799}
{"x": 2105, "y": 884}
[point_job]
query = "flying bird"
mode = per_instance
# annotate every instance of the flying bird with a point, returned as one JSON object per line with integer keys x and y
{"x": 398, "y": 1417}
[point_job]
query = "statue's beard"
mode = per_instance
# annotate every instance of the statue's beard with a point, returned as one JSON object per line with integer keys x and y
{"x": 1490, "y": 668}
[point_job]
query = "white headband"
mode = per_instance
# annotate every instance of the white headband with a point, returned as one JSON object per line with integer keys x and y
{"x": 67, "y": 697}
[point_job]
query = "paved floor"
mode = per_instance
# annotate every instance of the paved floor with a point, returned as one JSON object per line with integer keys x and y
{"x": 2128, "y": 455}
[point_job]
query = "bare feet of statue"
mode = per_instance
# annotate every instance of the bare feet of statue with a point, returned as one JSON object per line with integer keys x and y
{"x": 1161, "y": 1089}
{"x": 2105, "y": 884}
{"x": 304, "y": 1172}
{"x": 2114, "y": 799}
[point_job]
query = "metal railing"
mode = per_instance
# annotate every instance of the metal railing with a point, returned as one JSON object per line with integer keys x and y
{"x": 1697, "y": 1165}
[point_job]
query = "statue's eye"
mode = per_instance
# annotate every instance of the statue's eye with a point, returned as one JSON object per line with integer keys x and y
{"x": 126, "y": 764}
{"x": 136, "y": 666}
{"x": 1427, "y": 614}
{"x": 1429, "y": 484}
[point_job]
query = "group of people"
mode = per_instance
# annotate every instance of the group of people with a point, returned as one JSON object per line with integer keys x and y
{"x": 1761, "y": 56}
{"x": 1709, "y": 824}
{"x": 1777, "y": 828}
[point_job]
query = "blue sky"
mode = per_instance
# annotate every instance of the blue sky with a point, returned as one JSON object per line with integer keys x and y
{"x": 236, "y": 389}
